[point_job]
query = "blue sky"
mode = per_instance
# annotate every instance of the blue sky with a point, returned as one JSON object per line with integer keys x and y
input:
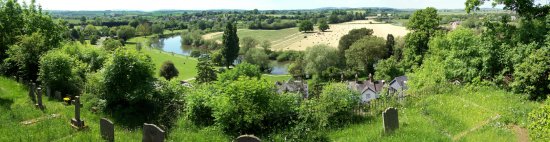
{"x": 149, "y": 5}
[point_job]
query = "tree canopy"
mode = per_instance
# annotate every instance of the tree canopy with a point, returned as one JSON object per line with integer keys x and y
{"x": 230, "y": 49}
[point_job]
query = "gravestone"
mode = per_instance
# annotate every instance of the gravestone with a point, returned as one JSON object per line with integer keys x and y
{"x": 76, "y": 121}
{"x": 39, "y": 98}
{"x": 391, "y": 120}
{"x": 247, "y": 138}
{"x": 31, "y": 91}
{"x": 48, "y": 91}
{"x": 58, "y": 95}
{"x": 152, "y": 133}
{"x": 107, "y": 129}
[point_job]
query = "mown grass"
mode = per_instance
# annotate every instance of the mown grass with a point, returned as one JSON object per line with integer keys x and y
{"x": 186, "y": 65}
{"x": 262, "y": 35}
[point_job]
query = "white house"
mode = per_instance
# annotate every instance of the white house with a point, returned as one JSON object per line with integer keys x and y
{"x": 368, "y": 89}
{"x": 398, "y": 85}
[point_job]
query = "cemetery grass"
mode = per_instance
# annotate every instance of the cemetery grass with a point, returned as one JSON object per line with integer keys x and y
{"x": 467, "y": 114}
{"x": 16, "y": 107}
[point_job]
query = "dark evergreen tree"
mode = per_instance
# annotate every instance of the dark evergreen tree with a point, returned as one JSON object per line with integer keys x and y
{"x": 206, "y": 72}
{"x": 230, "y": 49}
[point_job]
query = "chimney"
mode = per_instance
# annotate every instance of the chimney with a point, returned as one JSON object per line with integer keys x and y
{"x": 370, "y": 77}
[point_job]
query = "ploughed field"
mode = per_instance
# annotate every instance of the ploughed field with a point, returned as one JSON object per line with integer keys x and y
{"x": 292, "y": 39}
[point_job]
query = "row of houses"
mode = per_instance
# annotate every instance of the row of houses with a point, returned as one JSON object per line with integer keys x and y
{"x": 368, "y": 89}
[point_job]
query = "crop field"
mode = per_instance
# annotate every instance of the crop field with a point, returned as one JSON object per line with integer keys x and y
{"x": 292, "y": 39}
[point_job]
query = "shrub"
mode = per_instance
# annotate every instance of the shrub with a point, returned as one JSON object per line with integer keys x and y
{"x": 111, "y": 44}
{"x": 243, "y": 69}
{"x": 257, "y": 57}
{"x": 205, "y": 71}
{"x": 93, "y": 39}
{"x": 195, "y": 53}
{"x": 338, "y": 103}
{"x": 167, "y": 103}
{"x": 26, "y": 54}
{"x": 168, "y": 70}
{"x": 60, "y": 72}
{"x": 539, "y": 126}
{"x": 197, "y": 109}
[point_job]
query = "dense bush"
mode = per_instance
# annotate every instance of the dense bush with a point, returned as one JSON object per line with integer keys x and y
{"x": 277, "y": 25}
{"x": 93, "y": 57}
{"x": 192, "y": 38}
{"x": 168, "y": 70}
{"x": 338, "y": 103}
{"x": 26, "y": 54}
{"x": 533, "y": 75}
{"x": 60, "y": 72}
{"x": 243, "y": 69}
{"x": 365, "y": 52}
{"x": 347, "y": 40}
{"x": 257, "y": 57}
{"x": 111, "y": 44}
{"x": 319, "y": 58}
{"x": 291, "y": 55}
{"x": 197, "y": 109}
{"x": 388, "y": 69}
{"x": 539, "y": 126}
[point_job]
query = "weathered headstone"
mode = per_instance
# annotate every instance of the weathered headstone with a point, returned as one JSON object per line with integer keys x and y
{"x": 107, "y": 129}
{"x": 152, "y": 133}
{"x": 57, "y": 95}
{"x": 247, "y": 138}
{"x": 31, "y": 91}
{"x": 39, "y": 98}
{"x": 391, "y": 120}
{"x": 48, "y": 91}
{"x": 76, "y": 121}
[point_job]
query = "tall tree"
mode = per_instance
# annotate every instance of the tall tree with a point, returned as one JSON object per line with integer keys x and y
{"x": 230, "y": 49}
{"x": 158, "y": 29}
{"x": 525, "y": 8}
{"x": 305, "y": 26}
{"x": 364, "y": 53}
{"x": 126, "y": 32}
{"x": 390, "y": 43}
{"x": 205, "y": 71}
{"x": 323, "y": 25}
{"x": 424, "y": 23}
{"x": 143, "y": 29}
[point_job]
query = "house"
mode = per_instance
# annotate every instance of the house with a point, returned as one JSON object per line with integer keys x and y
{"x": 398, "y": 85}
{"x": 293, "y": 86}
{"x": 368, "y": 89}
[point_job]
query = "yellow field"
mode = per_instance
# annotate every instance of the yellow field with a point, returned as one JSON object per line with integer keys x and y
{"x": 291, "y": 39}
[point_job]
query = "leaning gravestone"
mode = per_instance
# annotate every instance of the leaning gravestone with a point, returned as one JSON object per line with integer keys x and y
{"x": 247, "y": 138}
{"x": 152, "y": 133}
{"x": 391, "y": 120}
{"x": 76, "y": 121}
{"x": 107, "y": 129}
{"x": 39, "y": 98}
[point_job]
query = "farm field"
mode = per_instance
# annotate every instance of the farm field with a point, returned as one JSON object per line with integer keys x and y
{"x": 481, "y": 117}
{"x": 291, "y": 39}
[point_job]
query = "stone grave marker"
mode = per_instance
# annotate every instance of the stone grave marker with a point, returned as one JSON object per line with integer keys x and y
{"x": 58, "y": 95}
{"x": 76, "y": 121}
{"x": 48, "y": 91}
{"x": 107, "y": 129}
{"x": 39, "y": 98}
{"x": 152, "y": 133}
{"x": 391, "y": 120}
{"x": 247, "y": 138}
{"x": 32, "y": 91}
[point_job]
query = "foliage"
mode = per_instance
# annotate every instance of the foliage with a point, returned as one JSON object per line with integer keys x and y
{"x": 338, "y": 103}
{"x": 388, "y": 69}
{"x": 143, "y": 29}
{"x": 290, "y": 55}
{"x": 197, "y": 109}
{"x": 93, "y": 39}
{"x": 60, "y": 72}
{"x": 157, "y": 29}
{"x": 524, "y": 8}
{"x": 230, "y": 49}
{"x": 111, "y": 44}
{"x": 90, "y": 30}
{"x": 323, "y": 25}
{"x": 257, "y": 57}
{"x": 425, "y": 20}
{"x": 166, "y": 104}
{"x": 26, "y": 54}
{"x": 296, "y": 69}
{"x": 168, "y": 70}
{"x": 125, "y": 32}
{"x": 241, "y": 70}
{"x": 347, "y": 40}
{"x": 390, "y": 43}
{"x": 266, "y": 45}
{"x": 305, "y": 26}
{"x": 93, "y": 58}
{"x": 192, "y": 38}
{"x": 539, "y": 126}
{"x": 248, "y": 43}
{"x": 428, "y": 79}
{"x": 364, "y": 53}
{"x": 277, "y": 25}
{"x": 424, "y": 24}
{"x": 206, "y": 72}
{"x": 319, "y": 58}
{"x": 532, "y": 76}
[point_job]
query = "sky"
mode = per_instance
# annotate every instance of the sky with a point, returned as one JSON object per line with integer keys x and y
{"x": 151, "y": 5}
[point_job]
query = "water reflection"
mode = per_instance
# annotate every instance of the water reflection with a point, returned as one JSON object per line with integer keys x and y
{"x": 172, "y": 44}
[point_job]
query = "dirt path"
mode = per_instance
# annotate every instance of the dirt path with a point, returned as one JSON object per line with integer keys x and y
{"x": 521, "y": 133}
{"x": 464, "y": 133}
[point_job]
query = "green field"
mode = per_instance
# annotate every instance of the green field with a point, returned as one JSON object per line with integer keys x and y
{"x": 468, "y": 114}
{"x": 261, "y": 35}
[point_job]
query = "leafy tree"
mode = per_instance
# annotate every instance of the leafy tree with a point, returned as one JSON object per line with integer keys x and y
{"x": 93, "y": 39}
{"x": 533, "y": 75}
{"x": 257, "y": 57}
{"x": 126, "y": 32}
{"x": 323, "y": 26}
{"x": 424, "y": 23}
{"x": 168, "y": 70}
{"x": 337, "y": 102}
{"x": 26, "y": 54}
{"x": 319, "y": 58}
{"x": 241, "y": 70}
{"x": 90, "y": 30}
{"x": 75, "y": 35}
{"x": 60, "y": 72}
{"x": 111, "y": 44}
{"x": 539, "y": 126}
{"x": 526, "y": 8}
{"x": 388, "y": 69}
{"x": 364, "y": 53}
{"x": 206, "y": 72}
{"x": 390, "y": 43}
{"x": 230, "y": 49}
{"x": 248, "y": 43}
{"x": 426, "y": 20}
{"x": 347, "y": 40}
{"x": 296, "y": 69}
{"x": 158, "y": 29}
{"x": 305, "y": 26}
{"x": 143, "y": 29}
{"x": 83, "y": 20}
{"x": 266, "y": 45}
